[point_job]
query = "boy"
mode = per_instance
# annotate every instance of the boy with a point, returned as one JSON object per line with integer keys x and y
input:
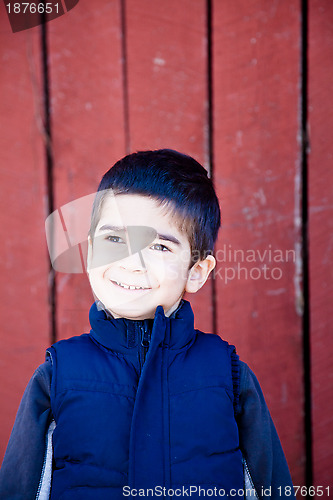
{"x": 145, "y": 405}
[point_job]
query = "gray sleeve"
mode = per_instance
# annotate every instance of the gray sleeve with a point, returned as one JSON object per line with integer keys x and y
{"x": 259, "y": 440}
{"x": 23, "y": 462}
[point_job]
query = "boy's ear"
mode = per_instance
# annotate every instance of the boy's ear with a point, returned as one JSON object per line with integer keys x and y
{"x": 89, "y": 253}
{"x": 199, "y": 273}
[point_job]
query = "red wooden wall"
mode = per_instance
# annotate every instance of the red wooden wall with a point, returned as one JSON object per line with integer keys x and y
{"x": 320, "y": 114}
{"x": 24, "y": 311}
{"x": 227, "y": 83}
{"x": 256, "y": 108}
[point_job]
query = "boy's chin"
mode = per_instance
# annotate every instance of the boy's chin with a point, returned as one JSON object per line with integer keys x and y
{"x": 124, "y": 307}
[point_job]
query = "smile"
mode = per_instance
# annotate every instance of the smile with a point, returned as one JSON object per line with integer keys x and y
{"x": 129, "y": 287}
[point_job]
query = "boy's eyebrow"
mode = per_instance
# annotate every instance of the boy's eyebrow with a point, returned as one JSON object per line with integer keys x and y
{"x": 168, "y": 237}
{"x": 107, "y": 227}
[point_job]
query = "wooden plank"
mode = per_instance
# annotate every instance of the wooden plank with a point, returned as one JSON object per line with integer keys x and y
{"x": 24, "y": 332}
{"x": 167, "y": 90}
{"x": 257, "y": 172}
{"x": 87, "y": 125}
{"x": 320, "y": 117}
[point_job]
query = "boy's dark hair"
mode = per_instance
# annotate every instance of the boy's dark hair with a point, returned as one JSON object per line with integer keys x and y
{"x": 176, "y": 181}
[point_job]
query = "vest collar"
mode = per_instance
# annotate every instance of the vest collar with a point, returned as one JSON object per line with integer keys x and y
{"x": 123, "y": 335}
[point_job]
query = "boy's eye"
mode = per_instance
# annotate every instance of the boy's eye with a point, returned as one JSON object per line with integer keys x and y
{"x": 114, "y": 239}
{"x": 160, "y": 247}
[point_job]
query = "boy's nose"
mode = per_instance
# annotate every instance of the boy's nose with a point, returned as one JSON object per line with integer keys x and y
{"x": 134, "y": 263}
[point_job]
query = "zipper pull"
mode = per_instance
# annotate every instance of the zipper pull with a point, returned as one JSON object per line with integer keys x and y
{"x": 145, "y": 338}
{"x": 145, "y": 341}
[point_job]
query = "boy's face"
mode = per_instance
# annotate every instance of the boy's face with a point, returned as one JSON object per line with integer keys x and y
{"x": 158, "y": 274}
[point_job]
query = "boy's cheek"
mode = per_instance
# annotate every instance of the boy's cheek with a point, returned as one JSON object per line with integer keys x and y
{"x": 103, "y": 253}
{"x": 171, "y": 267}
{"x": 175, "y": 273}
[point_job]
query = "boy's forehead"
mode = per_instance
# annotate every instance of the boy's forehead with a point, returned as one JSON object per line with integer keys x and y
{"x": 134, "y": 209}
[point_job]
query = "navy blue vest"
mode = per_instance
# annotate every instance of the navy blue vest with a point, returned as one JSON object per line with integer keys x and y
{"x": 143, "y": 404}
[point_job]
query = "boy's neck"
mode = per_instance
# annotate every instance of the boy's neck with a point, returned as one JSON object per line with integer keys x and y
{"x": 171, "y": 314}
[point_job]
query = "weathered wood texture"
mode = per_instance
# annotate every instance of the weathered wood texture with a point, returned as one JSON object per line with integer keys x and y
{"x": 129, "y": 75}
{"x": 320, "y": 119}
{"x": 87, "y": 106}
{"x": 257, "y": 175}
{"x": 24, "y": 264}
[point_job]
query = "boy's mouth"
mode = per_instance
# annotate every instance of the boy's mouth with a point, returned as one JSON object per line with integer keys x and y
{"x": 129, "y": 287}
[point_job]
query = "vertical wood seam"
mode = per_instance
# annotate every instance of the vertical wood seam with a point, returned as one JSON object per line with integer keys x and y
{"x": 210, "y": 131}
{"x": 52, "y": 292}
{"x": 125, "y": 74}
{"x": 305, "y": 247}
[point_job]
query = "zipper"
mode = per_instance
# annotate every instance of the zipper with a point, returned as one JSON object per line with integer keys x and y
{"x": 144, "y": 344}
{"x": 248, "y": 482}
{"x": 44, "y": 486}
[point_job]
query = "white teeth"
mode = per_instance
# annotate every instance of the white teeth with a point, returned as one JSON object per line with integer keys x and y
{"x": 130, "y": 287}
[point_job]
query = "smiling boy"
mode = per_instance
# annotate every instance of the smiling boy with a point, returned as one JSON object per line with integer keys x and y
{"x": 145, "y": 403}
{"x": 158, "y": 275}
